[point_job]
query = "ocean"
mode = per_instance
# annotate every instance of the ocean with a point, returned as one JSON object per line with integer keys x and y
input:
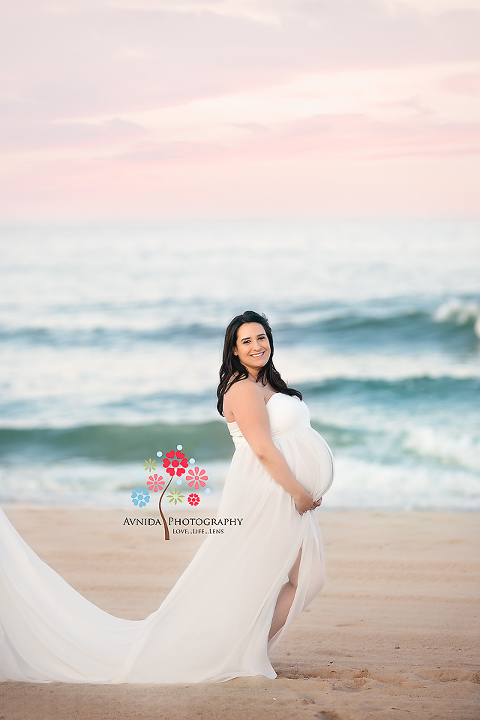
{"x": 111, "y": 338}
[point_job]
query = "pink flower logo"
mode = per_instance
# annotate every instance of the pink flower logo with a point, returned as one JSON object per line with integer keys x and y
{"x": 175, "y": 462}
{"x": 175, "y": 465}
{"x": 155, "y": 483}
{"x": 196, "y": 478}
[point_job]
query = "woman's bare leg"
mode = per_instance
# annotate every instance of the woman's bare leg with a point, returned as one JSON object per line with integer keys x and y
{"x": 285, "y": 598}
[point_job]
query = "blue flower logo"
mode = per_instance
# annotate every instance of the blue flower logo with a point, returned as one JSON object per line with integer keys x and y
{"x": 140, "y": 497}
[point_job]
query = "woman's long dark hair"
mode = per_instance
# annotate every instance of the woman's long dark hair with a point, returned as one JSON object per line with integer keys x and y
{"x": 232, "y": 369}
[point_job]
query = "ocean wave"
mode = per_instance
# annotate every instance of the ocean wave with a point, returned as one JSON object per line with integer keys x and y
{"x": 364, "y": 484}
{"x": 117, "y": 443}
{"x": 105, "y": 336}
{"x": 92, "y": 483}
{"x": 399, "y": 464}
{"x": 454, "y": 322}
{"x": 376, "y": 419}
{"x": 114, "y": 443}
{"x": 444, "y": 446}
{"x": 444, "y": 390}
{"x": 459, "y": 312}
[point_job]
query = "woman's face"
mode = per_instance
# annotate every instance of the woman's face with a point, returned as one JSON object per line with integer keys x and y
{"x": 252, "y": 347}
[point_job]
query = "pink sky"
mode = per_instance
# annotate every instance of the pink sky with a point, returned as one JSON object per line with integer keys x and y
{"x": 237, "y": 108}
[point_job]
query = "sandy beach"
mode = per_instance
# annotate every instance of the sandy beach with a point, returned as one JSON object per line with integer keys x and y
{"x": 394, "y": 634}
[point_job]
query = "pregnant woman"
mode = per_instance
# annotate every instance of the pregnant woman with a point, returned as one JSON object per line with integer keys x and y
{"x": 241, "y": 591}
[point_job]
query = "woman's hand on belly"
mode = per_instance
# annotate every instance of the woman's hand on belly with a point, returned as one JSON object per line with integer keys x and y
{"x": 305, "y": 502}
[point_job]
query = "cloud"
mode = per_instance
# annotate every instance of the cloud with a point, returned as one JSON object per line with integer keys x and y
{"x": 41, "y": 135}
{"x": 147, "y": 105}
{"x": 463, "y": 84}
{"x": 77, "y": 61}
{"x": 357, "y": 136}
{"x": 160, "y": 153}
{"x": 319, "y": 137}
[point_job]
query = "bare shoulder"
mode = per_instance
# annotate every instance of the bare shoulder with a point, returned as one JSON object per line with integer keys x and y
{"x": 243, "y": 393}
{"x": 245, "y": 404}
{"x": 244, "y": 388}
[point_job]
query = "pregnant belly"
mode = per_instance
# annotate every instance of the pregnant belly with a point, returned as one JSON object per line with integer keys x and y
{"x": 310, "y": 459}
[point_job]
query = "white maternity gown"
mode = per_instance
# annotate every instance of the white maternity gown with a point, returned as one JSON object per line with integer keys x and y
{"x": 214, "y": 623}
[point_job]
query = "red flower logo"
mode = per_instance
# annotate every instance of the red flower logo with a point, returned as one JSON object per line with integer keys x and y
{"x": 155, "y": 483}
{"x": 175, "y": 462}
{"x": 196, "y": 478}
{"x": 193, "y": 499}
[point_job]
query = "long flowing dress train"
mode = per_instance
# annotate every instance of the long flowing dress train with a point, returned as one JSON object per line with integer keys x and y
{"x": 214, "y": 624}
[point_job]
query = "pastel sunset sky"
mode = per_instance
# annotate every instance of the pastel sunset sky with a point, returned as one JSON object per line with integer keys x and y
{"x": 148, "y": 109}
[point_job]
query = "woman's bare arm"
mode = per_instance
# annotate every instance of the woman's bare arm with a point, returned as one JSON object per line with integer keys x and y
{"x": 246, "y": 402}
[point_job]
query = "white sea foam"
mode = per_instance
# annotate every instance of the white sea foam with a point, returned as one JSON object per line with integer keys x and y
{"x": 360, "y": 484}
{"x": 316, "y": 364}
{"x": 95, "y": 484}
{"x": 84, "y": 386}
{"x": 459, "y": 312}
{"x": 450, "y": 447}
